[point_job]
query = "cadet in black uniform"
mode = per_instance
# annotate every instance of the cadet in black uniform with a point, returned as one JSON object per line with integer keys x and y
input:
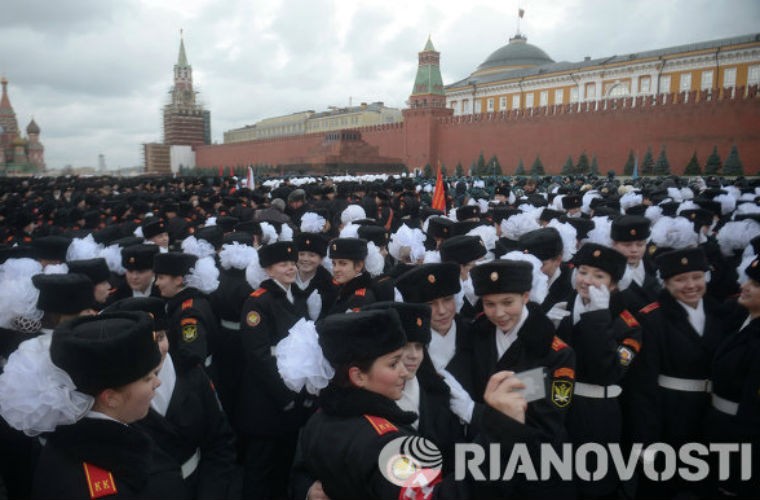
{"x": 269, "y": 414}
{"x": 735, "y": 413}
{"x": 98, "y": 272}
{"x": 546, "y": 245}
{"x": 605, "y": 337}
{"x": 192, "y": 327}
{"x": 667, "y": 391}
{"x": 629, "y": 234}
{"x": 140, "y": 279}
{"x": 341, "y": 444}
{"x": 112, "y": 360}
{"x": 312, "y": 275}
{"x": 349, "y": 273}
{"x": 465, "y": 251}
{"x": 514, "y": 334}
{"x": 185, "y": 418}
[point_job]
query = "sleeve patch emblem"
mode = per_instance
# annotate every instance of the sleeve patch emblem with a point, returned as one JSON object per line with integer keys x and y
{"x": 253, "y": 319}
{"x": 189, "y": 332}
{"x": 381, "y": 425}
{"x": 562, "y": 392}
{"x": 99, "y": 481}
{"x": 633, "y": 344}
{"x": 626, "y": 355}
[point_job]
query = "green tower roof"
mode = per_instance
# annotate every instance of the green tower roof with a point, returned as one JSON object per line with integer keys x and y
{"x": 182, "y": 60}
{"x": 428, "y": 79}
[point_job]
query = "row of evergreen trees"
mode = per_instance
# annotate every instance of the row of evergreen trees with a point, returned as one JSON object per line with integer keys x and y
{"x": 648, "y": 165}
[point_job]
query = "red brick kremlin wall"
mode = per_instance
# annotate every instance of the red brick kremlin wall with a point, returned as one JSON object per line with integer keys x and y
{"x": 609, "y": 129}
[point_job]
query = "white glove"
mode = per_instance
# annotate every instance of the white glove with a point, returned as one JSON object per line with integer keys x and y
{"x": 461, "y": 403}
{"x": 557, "y": 312}
{"x": 314, "y": 305}
{"x": 599, "y": 298}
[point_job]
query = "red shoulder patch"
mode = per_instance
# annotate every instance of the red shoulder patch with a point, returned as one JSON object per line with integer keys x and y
{"x": 187, "y": 304}
{"x": 361, "y": 292}
{"x": 259, "y": 292}
{"x": 564, "y": 372}
{"x": 381, "y": 425}
{"x": 649, "y": 308}
{"x": 629, "y": 319}
{"x": 558, "y": 344}
{"x": 99, "y": 481}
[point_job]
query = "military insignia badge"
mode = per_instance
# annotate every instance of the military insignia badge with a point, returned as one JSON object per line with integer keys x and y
{"x": 494, "y": 276}
{"x": 253, "y": 318}
{"x": 625, "y": 355}
{"x": 431, "y": 278}
{"x": 189, "y": 329}
{"x": 562, "y": 392}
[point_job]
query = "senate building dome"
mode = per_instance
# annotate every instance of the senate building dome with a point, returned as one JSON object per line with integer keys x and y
{"x": 518, "y": 53}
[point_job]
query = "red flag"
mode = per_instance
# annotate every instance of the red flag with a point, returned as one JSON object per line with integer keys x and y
{"x": 439, "y": 194}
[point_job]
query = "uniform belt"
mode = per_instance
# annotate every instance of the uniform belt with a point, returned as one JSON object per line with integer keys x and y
{"x": 684, "y": 384}
{"x": 191, "y": 464}
{"x": 230, "y": 325}
{"x": 725, "y": 405}
{"x": 597, "y": 391}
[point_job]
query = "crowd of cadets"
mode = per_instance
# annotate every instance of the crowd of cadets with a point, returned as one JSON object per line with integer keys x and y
{"x": 639, "y": 299}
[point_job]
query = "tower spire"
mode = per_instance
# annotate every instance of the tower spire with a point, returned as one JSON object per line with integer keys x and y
{"x": 428, "y": 84}
{"x": 182, "y": 59}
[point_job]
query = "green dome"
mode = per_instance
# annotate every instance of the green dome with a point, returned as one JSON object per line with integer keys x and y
{"x": 518, "y": 53}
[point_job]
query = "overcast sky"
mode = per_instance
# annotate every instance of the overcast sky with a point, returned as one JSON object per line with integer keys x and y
{"x": 94, "y": 74}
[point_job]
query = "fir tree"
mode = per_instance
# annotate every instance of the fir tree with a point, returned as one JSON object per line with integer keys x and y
{"x": 733, "y": 166}
{"x": 647, "y": 165}
{"x": 662, "y": 166}
{"x": 427, "y": 172}
{"x": 582, "y": 167}
{"x": 538, "y": 167}
{"x": 443, "y": 169}
{"x": 567, "y": 168}
{"x": 520, "y": 170}
{"x": 692, "y": 168}
{"x": 481, "y": 168}
{"x": 712, "y": 167}
{"x": 629, "y": 164}
{"x": 594, "y": 166}
{"x": 459, "y": 171}
{"x": 494, "y": 167}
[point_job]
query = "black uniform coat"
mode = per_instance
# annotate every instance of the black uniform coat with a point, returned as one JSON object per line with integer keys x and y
{"x": 227, "y": 301}
{"x": 354, "y": 294}
{"x": 736, "y": 378}
{"x": 560, "y": 289}
{"x": 671, "y": 347}
{"x": 139, "y": 469}
{"x": 266, "y": 318}
{"x": 535, "y": 346}
{"x": 637, "y": 296}
{"x": 323, "y": 283}
{"x": 340, "y": 446}
{"x": 194, "y": 420}
{"x": 193, "y": 332}
{"x": 605, "y": 343}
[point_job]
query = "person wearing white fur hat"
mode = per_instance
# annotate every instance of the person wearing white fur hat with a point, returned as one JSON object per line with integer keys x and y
{"x": 606, "y": 338}
{"x": 268, "y": 414}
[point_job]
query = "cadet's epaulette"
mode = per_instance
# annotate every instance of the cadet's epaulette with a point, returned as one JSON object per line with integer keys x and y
{"x": 649, "y": 308}
{"x": 99, "y": 481}
{"x": 629, "y": 319}
{"x": 361, "y": 292}
{"x": 381, "y": 425}
{"x": 558, "y": 344}
{"x": 259, "y": 292}
{"x": 187, "y": 304}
